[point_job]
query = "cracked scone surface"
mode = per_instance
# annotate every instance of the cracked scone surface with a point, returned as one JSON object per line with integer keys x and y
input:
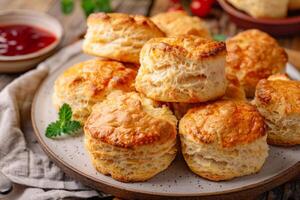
{"x": 186, "y": 69}
{"x": 88, "y": 82}
{"x": 278, "y": 100}
{"x": 180, "y": 23}
{"x": 253, "y": 55}
{"x": 118, "y": 36}
{"x": 223, "y": 139}
{"x": 130, "y": 137}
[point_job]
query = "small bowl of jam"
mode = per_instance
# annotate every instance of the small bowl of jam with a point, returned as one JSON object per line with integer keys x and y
{"x": 26, "y": 38}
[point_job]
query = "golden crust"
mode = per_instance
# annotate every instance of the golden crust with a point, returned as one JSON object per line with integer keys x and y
{"x": 278, "y": 100}
{"x": 253, "y": 55}
{"x": 179, "y": 23}
{"x": 280, "y": 95}
{"x": 130, "y": 137}
{"x": 118, "y": 36}
{"x": 234, "y": 89}
{"x": 294, "y": 4}
{"x": 128, "y": 120}
{"x": 182, "y": 69}
{"x": 229, "y": 123}
{"x": 88, "y": 82}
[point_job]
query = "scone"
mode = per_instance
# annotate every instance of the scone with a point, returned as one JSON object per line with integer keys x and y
{"x": 233, "y": 91}
{"x": 278, "y": 100}
{"x": 180, "y": 23}
{"x": 185, "y": 69}
{"x": 223, "y": 140}
{"x": 253, "y": 55}
{"x": 130, "y": 137}
{"x": 88, "y": 82}
{"x": 118, "y": 36}
{"x": 262, "y": 8}
{"x": 294, "y": 4}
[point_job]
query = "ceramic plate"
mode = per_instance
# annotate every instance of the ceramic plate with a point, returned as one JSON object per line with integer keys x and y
{"x": 177, "y": 181}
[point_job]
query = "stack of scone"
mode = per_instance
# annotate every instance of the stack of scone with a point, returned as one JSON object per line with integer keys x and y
{"x": 150, "y": 74}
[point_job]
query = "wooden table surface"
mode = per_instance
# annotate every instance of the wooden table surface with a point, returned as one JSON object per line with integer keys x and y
{"x": 75, "y": 24}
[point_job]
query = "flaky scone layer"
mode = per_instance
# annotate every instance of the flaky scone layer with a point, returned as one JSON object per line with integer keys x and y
{"x": 253, "y": 55}
{"x": 89, "y": 82}
{"x": 223, "y": 139}
{"x": 278, "y": 100}
{"x": 131, "y": 137}
{"x": 118, "y": 36}
{"x": 180, "y": 23}
{"x": 186, "y": 69}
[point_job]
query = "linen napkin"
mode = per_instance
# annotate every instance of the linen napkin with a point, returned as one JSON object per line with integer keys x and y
{"x": 21, "y": 158}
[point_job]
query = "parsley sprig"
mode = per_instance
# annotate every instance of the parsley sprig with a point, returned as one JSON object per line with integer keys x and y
{"x": 64, "y": 124}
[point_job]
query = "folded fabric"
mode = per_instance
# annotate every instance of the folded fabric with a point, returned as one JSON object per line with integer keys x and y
{"x": 21, "y": 157}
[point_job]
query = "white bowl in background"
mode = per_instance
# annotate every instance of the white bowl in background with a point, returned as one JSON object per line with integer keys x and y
{"x": 21, "y": 63}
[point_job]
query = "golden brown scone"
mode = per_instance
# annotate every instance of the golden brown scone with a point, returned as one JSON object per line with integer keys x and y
{"x": 223, "y": 139}
{"x": 233, "y": 91}
{"x": 253, "y": 55}
{"x": 88, "y": 82}
{"x": 130, "y": 137}
{"x": 180, "y": 23}
{"x": 294, "y": 4}
{"x": 118, "y": 36}
{"x": 262, "y": 8}
{"x": 278, "y": 100}
{"x": 182, "y": 69}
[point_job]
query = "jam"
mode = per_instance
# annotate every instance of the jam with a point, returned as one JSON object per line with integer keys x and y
{"x": 20, "y": 39}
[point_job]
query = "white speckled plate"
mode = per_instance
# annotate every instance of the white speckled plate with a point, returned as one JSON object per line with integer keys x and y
{"x": 177, "y": 181}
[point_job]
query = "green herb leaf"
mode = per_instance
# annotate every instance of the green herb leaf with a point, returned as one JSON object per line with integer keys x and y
{"x": 64, "y": 125}
{"x": 53, "y": 130}
{"x": 219, "y": 37}
{"x": 67, "y": 6}
{"x": 71, "y": 127}
{"x": 65, "y": 113}
{"x": 90, "y": 6}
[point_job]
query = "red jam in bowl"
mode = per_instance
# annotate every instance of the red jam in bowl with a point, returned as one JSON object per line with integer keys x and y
{"x": 20, "y": 39}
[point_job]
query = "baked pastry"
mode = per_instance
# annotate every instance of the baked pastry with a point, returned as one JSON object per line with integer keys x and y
{"x": 223, "y": 140}
{"x": 278, "y": 100}
{"x": 182, "y": 69}
{"x": 118, "y": 36}
{"x": 130, "y": 137}
{"x": 294, "y": 4}
{"x": 253, "y": 55}
{"x": 180, "y": 23}
{"x": 233, "y": 91}
{"x": 262, "y": 8}
{"x": 88, "y": 82}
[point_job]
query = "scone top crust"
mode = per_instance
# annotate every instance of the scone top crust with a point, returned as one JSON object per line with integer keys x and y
{"x": 278, "y": 94}
{"x": 184, "y": 46}
{"x": 93, "y": 80}
{"x": 254, "y": 55}
{"x": 227, "y": 123}
{"x": 121, "y": 20}
{"x": 187, "y": 69}
{"x": 130, "y": 120}
{"x": 180, "y": 23}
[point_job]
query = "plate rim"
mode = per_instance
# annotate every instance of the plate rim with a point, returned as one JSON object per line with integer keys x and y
{"x": 106, "y": 187}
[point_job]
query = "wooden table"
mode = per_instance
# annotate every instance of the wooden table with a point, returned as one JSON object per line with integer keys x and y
{"x": 75, "y": 25}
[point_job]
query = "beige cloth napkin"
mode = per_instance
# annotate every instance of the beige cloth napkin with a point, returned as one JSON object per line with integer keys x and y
{"x": 21, "y": 157}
